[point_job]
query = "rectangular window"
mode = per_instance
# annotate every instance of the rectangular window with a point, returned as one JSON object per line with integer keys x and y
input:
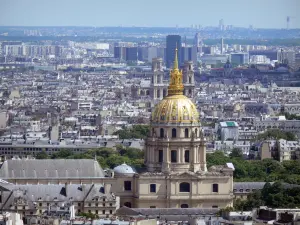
{"x": 152, "y": 207}
{"x": 96, "y": 211}
{"x": 103, "y": 212}
{"x": 160, "y": 156}
{"x": 174, "y": 156}
{"x": 186, "y": 156}
{"x": 215, "y": 206}
{"x": 127, "y": 185}
{"x": 110, "y": 211}
{"x": 153, "y": 188}
{"x": 215, "y": 188}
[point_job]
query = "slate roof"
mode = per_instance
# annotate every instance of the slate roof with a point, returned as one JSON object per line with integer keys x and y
{"x": 55, "y": 193}
{"x": 240, "y": 187}
{"x": 244, "y": 187}
{"x": 50, "y": 168}
{"x": 125, "y": 211}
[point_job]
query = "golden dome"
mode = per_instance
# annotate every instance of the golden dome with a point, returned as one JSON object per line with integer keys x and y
{"x": 176, "y": 107}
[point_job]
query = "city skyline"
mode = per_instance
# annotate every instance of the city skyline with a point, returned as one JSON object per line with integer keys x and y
{"x": 150, "y": 14}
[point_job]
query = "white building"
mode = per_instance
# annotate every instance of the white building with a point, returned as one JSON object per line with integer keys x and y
{"x": 229, "y": 130}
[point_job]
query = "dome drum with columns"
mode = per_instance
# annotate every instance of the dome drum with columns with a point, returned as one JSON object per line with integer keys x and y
{"x": 175, "y": 142}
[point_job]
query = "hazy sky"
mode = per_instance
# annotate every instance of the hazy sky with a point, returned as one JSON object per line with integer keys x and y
{"x": 259, "y": 13}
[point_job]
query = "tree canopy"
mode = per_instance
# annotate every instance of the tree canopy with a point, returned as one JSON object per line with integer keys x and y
{"x": 266, "y": 170}
{"x": 137, "y": 131}
{"x": 274, "y": 196}
{"x": 107, "y": 157}
{"x": 276, "y": 134}
{"x": 289, "y": 116}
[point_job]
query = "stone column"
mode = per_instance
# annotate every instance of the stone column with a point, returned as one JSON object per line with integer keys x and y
{"x": 179, "y": 155}
{"x": 166, "y": 159}
{"x": 161, "y": 93}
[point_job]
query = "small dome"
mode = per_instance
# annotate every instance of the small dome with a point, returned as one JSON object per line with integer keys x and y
{"x": 124, "y": 169}
{"x": 175, "y": 109}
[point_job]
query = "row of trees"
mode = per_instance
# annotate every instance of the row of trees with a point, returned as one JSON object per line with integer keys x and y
{"x": 276, "y": 195}
{"x": 137, "y": 131}
{"x": 289, "y": 116}
{"x": 107, "y": 157}
{"x": 276, "y": 134}
{"x": 267, "y": 170}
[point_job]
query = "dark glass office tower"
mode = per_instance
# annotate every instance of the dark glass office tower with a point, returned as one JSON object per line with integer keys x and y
{"x": 172, "y": 42}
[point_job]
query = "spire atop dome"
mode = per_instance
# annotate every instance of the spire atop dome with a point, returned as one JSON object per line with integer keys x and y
{"x": 176, "y": 86}
{"x": 175, "y": 67}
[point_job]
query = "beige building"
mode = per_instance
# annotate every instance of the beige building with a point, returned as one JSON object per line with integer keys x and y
{"x": 175, "y": 156}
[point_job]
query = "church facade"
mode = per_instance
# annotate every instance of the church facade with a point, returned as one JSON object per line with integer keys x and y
{"x": 175, "y": 156}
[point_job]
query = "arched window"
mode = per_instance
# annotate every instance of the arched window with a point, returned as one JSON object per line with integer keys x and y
{"x": 162, "y": 132}
{"x": 174, "y": 133}
{"x": 184, "y": 206}
{"x": 184, "y": 187}
{"x": 186, "y": 156}
{"x": 102, "y": 190}
{"x": 127, "y": 204}
{"x": 186, "y": 133}
{"x": 174, "y": 156}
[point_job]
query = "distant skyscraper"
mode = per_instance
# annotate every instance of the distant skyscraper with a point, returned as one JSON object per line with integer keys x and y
{"x": 131, "y": 53}
{"x": 221, "y": 24}
{"x": 197, "y": 48}
{"x": 240, "y": 58}
{"x": 172, "y": 42}
{"x": 222, "y": 45}
{"x": 120, "y": 53}
{"x": 187, "y": 53}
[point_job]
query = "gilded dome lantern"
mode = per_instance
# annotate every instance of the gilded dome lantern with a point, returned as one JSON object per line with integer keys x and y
{"x": 175, "y": 108}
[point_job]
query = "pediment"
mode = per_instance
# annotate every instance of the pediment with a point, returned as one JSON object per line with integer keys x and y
{"x": 184, "y": 175}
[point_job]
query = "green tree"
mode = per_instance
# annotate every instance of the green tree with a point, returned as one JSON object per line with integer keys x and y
{"x": 62, "y": 154}
{"x": 236, "y": 153}
{"x": 115, "y": 160}
{"x": 137, "y": 131}
{"x": 42, "y": 155}
{"x": 276, "y": 134}
{"x": 216, "y": 158}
